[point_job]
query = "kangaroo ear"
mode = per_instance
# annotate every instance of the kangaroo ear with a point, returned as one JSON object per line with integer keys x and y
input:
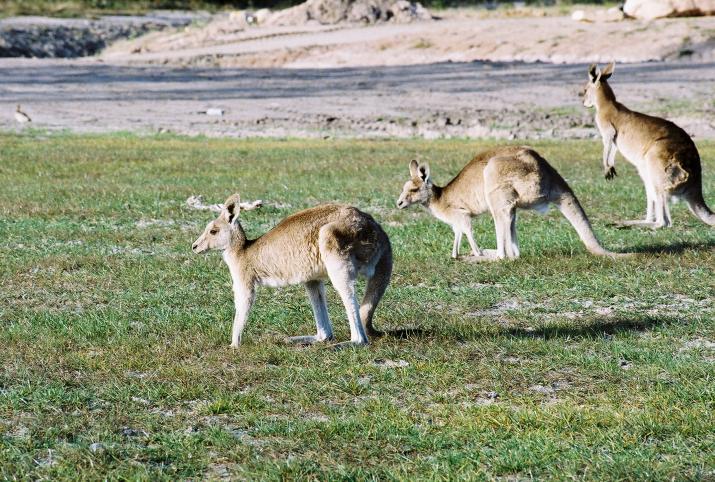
{"x": 413, "y": 168}
{"x": 594, "y": 73}
{"x": 232, "y": 207}
{"x": 423, "y": 172}
{"x": 608, "y": 71}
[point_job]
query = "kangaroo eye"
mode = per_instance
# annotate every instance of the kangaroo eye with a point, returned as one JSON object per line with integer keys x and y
{"x": 213, "y": 231}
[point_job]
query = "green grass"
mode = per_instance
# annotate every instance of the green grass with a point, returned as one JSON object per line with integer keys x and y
{"x": 113, "y": 333}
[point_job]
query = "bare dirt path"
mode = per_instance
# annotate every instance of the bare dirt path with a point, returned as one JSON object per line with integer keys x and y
{"x": 503, "y": 100}
{"x": 462, "y": 36}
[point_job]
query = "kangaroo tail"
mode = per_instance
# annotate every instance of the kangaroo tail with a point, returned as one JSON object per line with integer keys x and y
{"x": 572, "y": 210}
{"x": 374, "y": 289}
{"x": 697, "y": 206}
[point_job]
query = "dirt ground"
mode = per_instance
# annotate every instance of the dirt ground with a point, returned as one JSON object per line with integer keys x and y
{"x": 410, "y": 80}
{"x": 460, "y": 36}
{"x": 503, "y": 100}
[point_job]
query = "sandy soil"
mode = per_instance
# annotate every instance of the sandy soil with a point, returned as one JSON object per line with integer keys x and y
{"x": 478, "y": 99}
{"x": 461, "y": 36}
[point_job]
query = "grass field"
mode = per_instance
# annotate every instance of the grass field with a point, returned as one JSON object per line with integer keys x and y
{"x": 114, "y": 336}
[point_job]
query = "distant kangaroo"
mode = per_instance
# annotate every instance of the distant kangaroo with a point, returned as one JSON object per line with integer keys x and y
{"x": 664, "y": 154}
{"x": 499, "y": 180}
{"x": 330, "y": 241}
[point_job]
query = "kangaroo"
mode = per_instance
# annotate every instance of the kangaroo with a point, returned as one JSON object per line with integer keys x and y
{"x": 330, "y": 241}
{"x": 664, "y": 154}
{"x": 499, "y": 180}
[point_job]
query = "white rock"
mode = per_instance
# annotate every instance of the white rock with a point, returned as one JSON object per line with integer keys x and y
{"x": 387, "y": 363}
{"x": 579, "y": 16}
{"x": 96, "y": 447}
{"x": 651, "y": 9}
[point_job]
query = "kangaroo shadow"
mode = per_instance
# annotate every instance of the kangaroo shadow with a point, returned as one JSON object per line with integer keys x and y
{"x": 673, "y": 248}
{"x": 408, "y": 333}
{"x": 598, "y": 328}
{"x": 595, "y": 329}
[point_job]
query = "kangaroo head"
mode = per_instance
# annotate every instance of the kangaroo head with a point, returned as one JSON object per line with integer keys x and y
{"x": 220, "y": 232}
{"x": 596, "y": 80}
{"x": 418, "y": 189}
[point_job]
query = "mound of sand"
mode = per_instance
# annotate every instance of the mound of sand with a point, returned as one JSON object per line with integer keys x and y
{"x": 331, "y": 12}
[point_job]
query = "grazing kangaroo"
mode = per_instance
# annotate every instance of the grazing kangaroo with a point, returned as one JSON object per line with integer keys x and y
{"x": 328, "y": 241}
{"x": 664, "y": 154}
{"x": 499, "y": 180}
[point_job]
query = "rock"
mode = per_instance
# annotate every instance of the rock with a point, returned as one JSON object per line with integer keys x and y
{"x": 487, "y": 398}
{"x": 96, "y": 447}
{"x": 580, "y": 16}
{"x": 131, "y": 432}
{"x": 262, "y": 15}
{"x": 613, "y": 14}
{"x": 404, "y": 11}
{"x": 43, "y": 37}
{"x": 364, "y": 381}
{"x": 542, "y": 389}
{"x": 652, "y": 9}
{"x": 387, "y": 363}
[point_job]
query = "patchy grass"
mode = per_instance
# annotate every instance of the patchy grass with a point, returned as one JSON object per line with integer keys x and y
{"x": 115, "y": 358}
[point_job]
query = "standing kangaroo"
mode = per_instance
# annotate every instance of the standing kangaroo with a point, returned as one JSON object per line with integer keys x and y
{"x": 664, "y": 154}
{"x": 328, "y": 241}
{"x": 499, "y": 180}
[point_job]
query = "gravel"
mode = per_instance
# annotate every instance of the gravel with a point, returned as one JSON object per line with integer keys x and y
{"x": 45, "y": 37}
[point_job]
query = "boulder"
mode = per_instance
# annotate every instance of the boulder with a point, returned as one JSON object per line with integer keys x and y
{"x": 614, "y": 14}
{"x": 651, "y": 9}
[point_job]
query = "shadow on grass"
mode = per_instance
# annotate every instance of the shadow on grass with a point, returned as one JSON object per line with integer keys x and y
{"x": 594, "y": 329}
{"x": 408, "y": 333}
{"x": 597, "y": 328}
{"x": 672, "y": 248}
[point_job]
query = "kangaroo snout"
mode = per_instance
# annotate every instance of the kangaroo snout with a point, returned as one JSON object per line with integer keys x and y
{"x": 401, "y": 204}
{"x": 197, "y": 248}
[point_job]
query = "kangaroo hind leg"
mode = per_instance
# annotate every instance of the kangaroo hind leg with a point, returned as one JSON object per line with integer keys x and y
{"x": 503, "y": 209}
{"x": 316, "y": 294}
{"x": 343, "y": 275}
{"x": 374, "y": 290}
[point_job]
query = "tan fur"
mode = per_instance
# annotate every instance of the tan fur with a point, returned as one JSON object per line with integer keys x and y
{"x": 499, "y": 180}
{"x": 664, "y": 154}
{"x": 330, "y": 241}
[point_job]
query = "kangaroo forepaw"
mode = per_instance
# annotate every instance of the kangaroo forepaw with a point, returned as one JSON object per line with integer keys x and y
{"x": 611, "y": 173}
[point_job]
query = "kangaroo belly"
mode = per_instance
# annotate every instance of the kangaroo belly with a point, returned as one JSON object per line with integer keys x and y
{"x": 631, "y": 153}
{"x": 297, "y": 276}
{"x": 290, "y": 266}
